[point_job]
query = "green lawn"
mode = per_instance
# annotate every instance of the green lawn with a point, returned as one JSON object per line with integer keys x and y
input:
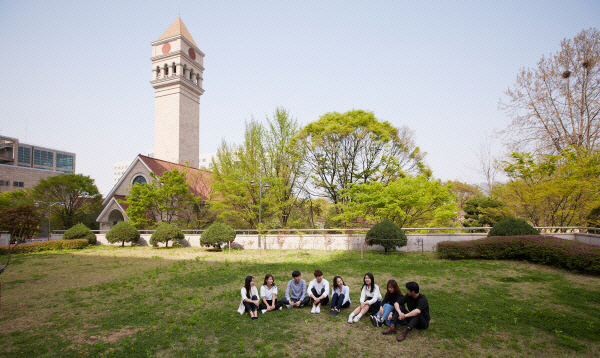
{"x": 144, "y": 302}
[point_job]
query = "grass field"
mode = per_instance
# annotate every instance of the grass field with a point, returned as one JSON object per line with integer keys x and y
{"x": 144, "y": 302}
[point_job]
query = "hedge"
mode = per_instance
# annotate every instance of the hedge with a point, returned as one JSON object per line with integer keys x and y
{"x": 80, "y": 231}
{"x": 45, "y": 246}
{"x": 547, "y": 250}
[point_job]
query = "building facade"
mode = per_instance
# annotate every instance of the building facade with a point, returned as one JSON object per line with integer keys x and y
{"x": 23, "y": 165}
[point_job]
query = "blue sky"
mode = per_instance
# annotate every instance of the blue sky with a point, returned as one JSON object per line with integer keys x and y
{"x": 76, "y": 73}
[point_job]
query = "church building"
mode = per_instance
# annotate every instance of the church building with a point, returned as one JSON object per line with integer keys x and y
{"x": 177, "y": 67}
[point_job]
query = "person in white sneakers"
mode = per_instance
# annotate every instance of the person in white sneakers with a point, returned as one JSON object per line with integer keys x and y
{"x": 370, "y": 299}
{"x": 295, "y": 292}
{"x": 318, "y": 291}
{"x": 340, "y": 296}
{"x": 268, "y": 295}
{"x": 249, "y": 302}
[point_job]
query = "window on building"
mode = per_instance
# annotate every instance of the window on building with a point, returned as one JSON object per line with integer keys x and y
{"x": 139, "y": 180}
{"x": 64, "y": 161}
{"x": 18, "y": 184}
{"x": 42, "y": 157}
{"x": 24, "y": 155}
{"x": 1, "y": 182}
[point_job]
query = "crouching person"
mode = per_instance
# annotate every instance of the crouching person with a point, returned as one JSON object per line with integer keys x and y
{"x": 417, "y": 315}
{"x": 318, "y": 291}
{"x": 295, "y": 292}
{"x": 249, "y": 302}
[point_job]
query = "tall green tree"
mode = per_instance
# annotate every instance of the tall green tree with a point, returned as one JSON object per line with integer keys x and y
{"x": 264, "y": 157}
{"x": 20, "y": 221}
{"x": 162, "y": 200}
{"x": 411, "y": 201}
{"x": 557, "y": 104}
{"x": 483, "y": 211}
{"x": 553, "y": 190}
{"x": 78, "y": 192}
{"x": 342, "y": 149}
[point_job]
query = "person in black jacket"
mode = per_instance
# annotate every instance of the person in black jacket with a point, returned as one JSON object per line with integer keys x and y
{"x": 417, "y": 314}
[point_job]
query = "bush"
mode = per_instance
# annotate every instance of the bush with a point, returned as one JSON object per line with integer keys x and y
{"x": 217, "y": 234}
{"x": 547, "y": 250}
{"x": 386, "y": 234}
{"x": 46, "y": 246}
{"x": 80, "y": 231}
{"x": 512, "y": 227}
{"x": 165, "y": 233}
{"x": 123, "y": 232}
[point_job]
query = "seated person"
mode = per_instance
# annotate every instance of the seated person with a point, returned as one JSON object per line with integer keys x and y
{"x": 340, "y": 296}
{"x": 318, "y": 291}
{"x": 249, "y": 302}
{"x": 388, "y": 305}
{"x": 417, "y": 314}
{"x": 295, "y": 292}
{"x": 370, "y": 299}
{"x": 268, "y": 295}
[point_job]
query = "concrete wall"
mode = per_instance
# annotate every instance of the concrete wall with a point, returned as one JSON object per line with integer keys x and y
{"x": 416, "y": 242}
{"x": 4, "y": 238}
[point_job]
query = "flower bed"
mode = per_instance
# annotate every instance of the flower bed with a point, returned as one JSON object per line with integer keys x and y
{"x": 547, "y": 250}
{"x": 46, "y": 246}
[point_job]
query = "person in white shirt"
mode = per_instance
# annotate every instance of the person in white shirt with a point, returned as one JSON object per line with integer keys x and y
{"x": 268, "y": 295}
{"x": 318, "y": 291}
{"x": 340, "y": 296}
{"x": 249, "y": 301}
{"x": 370, "y": 299}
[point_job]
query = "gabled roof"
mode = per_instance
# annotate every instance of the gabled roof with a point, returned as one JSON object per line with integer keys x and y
{"x": 177, "y": 28}
{"x": 116, "y": 200}
{"x": 199, "y": 180}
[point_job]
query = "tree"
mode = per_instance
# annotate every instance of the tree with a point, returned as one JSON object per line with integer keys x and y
{"x": 484, "y": 211}
{"x": 164, "y": 233}
{"x": 80, "y": 231}
{"x": 20, "y": 221}
{"x": 162, "y": 200}
{"x": 557, "y": 104}
{"x": 408, "y": 201}
{"x": 123, "y": 232}
{"x": 462, "y": 192}
{"x": 76, "y": 191}
{"x": 264, "y": 157}
{"x": 217, "y": 234}
{"x": 342, "y": 149}
{"x": 386, "y": 234}
{"x": 512, "y": 227}
{"x": 552, "y": 190}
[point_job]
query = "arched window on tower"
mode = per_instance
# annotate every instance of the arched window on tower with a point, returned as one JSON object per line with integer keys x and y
{"x": 166, "y": 70}
{"x": 174, "y": 68}
{"x": 191, "y": 74}
{"x": 157, "y": 72}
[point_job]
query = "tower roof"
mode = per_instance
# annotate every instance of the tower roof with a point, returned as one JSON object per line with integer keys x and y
{"x": 177, "y": 28}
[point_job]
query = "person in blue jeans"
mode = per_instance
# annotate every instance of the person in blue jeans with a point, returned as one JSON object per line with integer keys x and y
{"x": 388, "y": 305}
{"x": 340, "y": 296}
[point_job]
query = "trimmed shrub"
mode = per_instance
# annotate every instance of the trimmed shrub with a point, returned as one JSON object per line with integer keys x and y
{"x": 123, "y": 232}
{"x": 512, "y": 227}
{"x": 386, "y": 234}
{"x": 46, "y": 246}
{"x": 80, "y": 231}
{"x": 217, "y": 234}
{"x": 547, "y": 250}
{"x": 165, "y": 233}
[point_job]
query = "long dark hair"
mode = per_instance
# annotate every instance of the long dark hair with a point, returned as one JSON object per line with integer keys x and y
{"x": 372, "y": 281}
{"x": 247, "y": 285}
{"x": 267, "y": 277}
{"x": 335, "y": 282}
{"x": 394, "y": 285}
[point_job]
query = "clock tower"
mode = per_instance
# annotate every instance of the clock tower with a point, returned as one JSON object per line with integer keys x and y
{"x": 177, "y": 67}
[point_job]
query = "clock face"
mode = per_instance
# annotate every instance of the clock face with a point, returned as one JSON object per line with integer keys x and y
{"x": 166, "y": 48}
{"x": 192, "y": 53}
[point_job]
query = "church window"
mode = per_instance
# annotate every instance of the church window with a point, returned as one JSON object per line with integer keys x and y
{"x": 157, "y": 72}
{"x": 174, "y": 68}
{"x": 166, "y": 70}
{"x": 139, "y": 180}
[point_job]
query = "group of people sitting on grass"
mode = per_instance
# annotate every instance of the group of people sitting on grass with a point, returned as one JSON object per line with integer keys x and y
{"x": 389, "y": 310}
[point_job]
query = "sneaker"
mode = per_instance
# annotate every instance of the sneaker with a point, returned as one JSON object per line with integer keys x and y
{"x": 350, "y": 319}
{"x": 335, "y": 313}
{"x": 318, "y": 310}
{"x": 281, "y": 308}
{"x": 263, "y": 311}
{"x": 331, "y": 312}
{"x": 313, "y": 310}
{"x": 356, "y": 319}
{"x": 374, "y": 321}
{"x": 288, "y": 306}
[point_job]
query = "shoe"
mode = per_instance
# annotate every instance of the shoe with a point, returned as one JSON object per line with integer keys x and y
{"x": 281, "y": 308}
{"x": 317, "y": 310}
{"x": 373, "y": 320}
{"x": 376, "y": 321}
{"x": 288, "y": 306}
{"x": 402, "y": 335}
{"x": 390, "y": 330}
{"x": 254, "y": 318}
{"x": 356, "y": 319}
{"x": 331, "y": 312}
{"x": 263, "y": 311}
{"x": 336, "y": 313}
{"x": 313, "y": 310}
{"x": 350, "y": 319}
